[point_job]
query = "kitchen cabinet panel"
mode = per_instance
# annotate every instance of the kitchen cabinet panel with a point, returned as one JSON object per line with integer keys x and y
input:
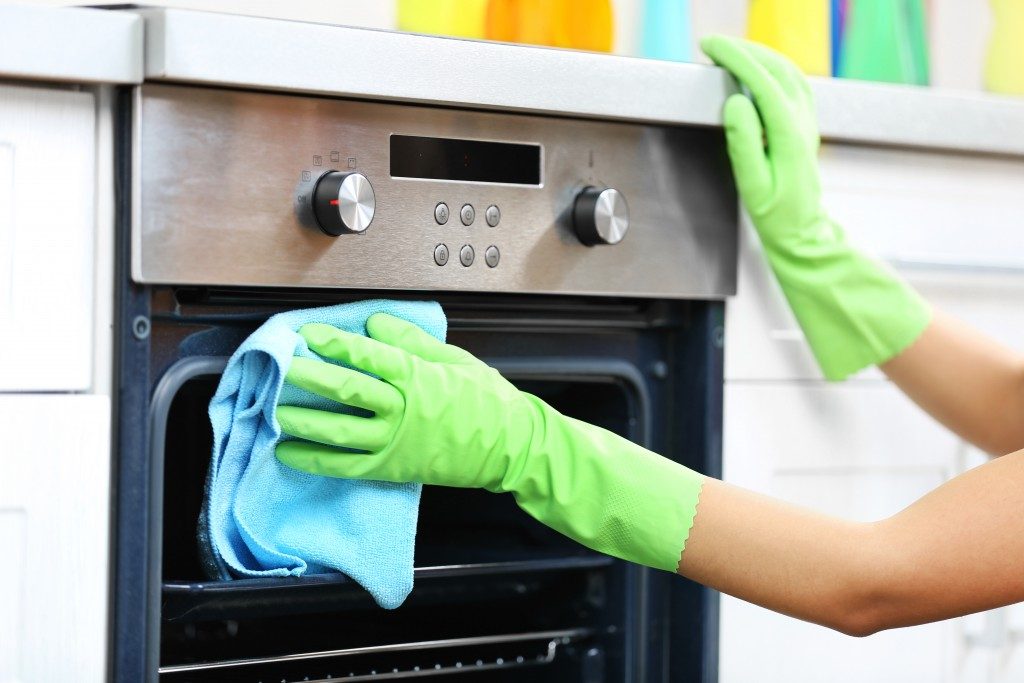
{"x": 861, "y": 451}
{"x": 47, "y": 232}
{"x": 774, "y": 428}
{"x": 759, "y": 645}
{"x": 930, "y": 208}
{"x": 54, "y": 529}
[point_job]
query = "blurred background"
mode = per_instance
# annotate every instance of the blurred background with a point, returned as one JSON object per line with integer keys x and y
{"x": 962, "y": 44}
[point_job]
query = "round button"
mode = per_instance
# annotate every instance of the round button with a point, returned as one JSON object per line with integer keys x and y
{"x": 492, "y": 256}
{"x": 466, "y": 255}
{"x": 441, "y": 254}
{"x": 600, "y": 216}
{"x": 343, "y": 203}
{"x": 441, "y": 213}
{"x": 468, "y": 214}
{"x": 493, "y": 215}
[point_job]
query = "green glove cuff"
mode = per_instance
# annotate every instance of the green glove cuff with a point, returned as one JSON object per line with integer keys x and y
{"x": 606, "y": 492}
{"x": 854, "y": 311}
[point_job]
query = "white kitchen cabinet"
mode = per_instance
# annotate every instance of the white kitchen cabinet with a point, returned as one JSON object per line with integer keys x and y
{"x": 860, "y": 450}
{"x": 56, "y": 304}
{"x": 780, "y": 428}
{"x": 54, "y": 528}
{"x": 927, "y": 209}
{"x": 47, "y": 233}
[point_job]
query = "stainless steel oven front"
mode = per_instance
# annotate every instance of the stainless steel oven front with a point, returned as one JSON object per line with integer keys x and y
{"x": 587, "y": 260}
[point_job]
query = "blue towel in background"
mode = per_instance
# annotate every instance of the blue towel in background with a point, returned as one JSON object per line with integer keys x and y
{"x": 261, "y": 518}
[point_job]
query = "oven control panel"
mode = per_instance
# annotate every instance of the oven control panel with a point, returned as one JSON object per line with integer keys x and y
{"x": 238, "y": 188}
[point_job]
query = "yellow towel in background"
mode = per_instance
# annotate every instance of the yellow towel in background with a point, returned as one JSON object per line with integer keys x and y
{"x": 461, "y": 18}
{"x": 799, "y": 29}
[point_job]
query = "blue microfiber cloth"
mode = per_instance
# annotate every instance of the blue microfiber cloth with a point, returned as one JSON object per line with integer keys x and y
{"x": 261, "y": 518}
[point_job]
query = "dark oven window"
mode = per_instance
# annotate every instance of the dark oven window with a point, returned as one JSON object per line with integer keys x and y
{"x": 477, "y": 559}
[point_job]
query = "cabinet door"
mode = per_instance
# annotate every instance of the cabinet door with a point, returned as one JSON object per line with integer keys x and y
{"x": 54, "y": 528}
{"x": 47, "y": 231}
{"x": 860, "y": 451}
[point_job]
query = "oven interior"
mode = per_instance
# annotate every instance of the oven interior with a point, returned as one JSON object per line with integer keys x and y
{"x": 505, "y": 590}
{"x": 496, "y": 593}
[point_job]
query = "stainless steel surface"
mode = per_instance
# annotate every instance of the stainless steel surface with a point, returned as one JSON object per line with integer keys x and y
{"x": 222, "y": 178}
{"x": 198, "y": 47}
{"x": 203, "y": 47}
{"x": 562, "y": 636}
{"x": 356, "y": 202}
{"x": 70, "y": 44}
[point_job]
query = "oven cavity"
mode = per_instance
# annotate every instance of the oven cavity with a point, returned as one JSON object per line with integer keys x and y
{"x": 495, "y": 590}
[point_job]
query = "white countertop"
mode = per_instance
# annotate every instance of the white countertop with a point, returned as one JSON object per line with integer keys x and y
{"x": 199, "y": 47}
{"x": 70, "y": 44}
{"x": 89, "y": 45}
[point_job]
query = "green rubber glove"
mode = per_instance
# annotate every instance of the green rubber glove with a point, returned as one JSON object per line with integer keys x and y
{"x": 853, "y": 311}
{"x": 441, "y": 416}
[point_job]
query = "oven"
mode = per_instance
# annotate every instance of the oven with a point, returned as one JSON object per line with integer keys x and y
{"x": 586, "y": 260}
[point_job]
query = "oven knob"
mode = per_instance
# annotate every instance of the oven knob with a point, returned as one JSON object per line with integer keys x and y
{"x": 600, "y": 216}
{"x": 343, "y": 202}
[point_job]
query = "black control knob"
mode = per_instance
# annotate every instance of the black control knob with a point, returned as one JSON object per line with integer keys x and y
{"x": 343, "y": 202}
{"x": 600, "y": 216}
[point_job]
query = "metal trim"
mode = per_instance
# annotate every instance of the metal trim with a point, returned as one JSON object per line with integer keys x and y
{"x": 217, "y": 49}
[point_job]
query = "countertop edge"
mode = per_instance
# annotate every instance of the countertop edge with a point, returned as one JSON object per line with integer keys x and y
{"x": 217, "y": 49}
{"x": 70, "y": 44}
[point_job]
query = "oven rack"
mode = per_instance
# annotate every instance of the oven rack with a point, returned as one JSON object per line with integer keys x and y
{"x": 198, "y": 600}
{"x": 389, "y": 662}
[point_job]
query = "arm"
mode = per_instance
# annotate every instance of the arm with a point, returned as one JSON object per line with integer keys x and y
{"x": 854, "y": 312}
{"x": 968, "y": 382}
{"x": 440, "y": 416}
{"x": 958, "y": 550}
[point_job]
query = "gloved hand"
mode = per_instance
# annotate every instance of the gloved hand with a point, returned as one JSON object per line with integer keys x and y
{"x": 853, "y": 311}
{"x": 441, "y": 416}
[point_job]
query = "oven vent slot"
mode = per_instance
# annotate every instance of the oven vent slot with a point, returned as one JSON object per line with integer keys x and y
{"x": 390, "y": 662}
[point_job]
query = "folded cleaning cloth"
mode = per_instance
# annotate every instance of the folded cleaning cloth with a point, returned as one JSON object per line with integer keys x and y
{"x": 261, "y": 518}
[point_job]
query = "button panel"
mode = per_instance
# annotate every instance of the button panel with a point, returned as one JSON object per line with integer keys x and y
{"x": 467, "y": 215}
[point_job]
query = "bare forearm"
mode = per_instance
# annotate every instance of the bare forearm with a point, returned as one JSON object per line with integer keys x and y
{"x": 780, "y": 556}
{"x": 968, "y": 382}
{"x": 958, "y": 550}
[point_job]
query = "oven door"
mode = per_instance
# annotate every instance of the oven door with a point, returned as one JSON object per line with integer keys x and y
{"x": 497, "y": 595}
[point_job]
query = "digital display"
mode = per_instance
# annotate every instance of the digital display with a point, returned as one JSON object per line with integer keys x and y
{"x": 475, "y": 161}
